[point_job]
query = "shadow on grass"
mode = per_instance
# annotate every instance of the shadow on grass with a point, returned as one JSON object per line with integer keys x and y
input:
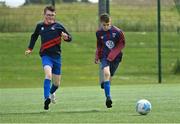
{"x": 138, "y": 115}
{"x": 51, "y": 112}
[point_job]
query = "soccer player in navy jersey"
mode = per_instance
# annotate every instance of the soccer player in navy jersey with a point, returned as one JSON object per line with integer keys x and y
{"x": 110, "y": 42}
{"x": 51, "y": 33}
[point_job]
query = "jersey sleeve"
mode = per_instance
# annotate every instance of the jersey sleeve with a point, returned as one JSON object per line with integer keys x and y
{"x": 118, "y": 48}
{"x": 61, "y": 29}
{"x": 98, "y": 47}
{"x": 34, "y": 37}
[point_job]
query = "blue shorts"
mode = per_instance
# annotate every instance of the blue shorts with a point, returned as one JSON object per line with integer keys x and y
{"x": 54, "y": 62}
{"x": 113, "y": 65}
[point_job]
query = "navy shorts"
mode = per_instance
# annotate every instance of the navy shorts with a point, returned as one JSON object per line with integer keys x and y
{"x": 113, "y": 65}
{"x": 54, "y": 62}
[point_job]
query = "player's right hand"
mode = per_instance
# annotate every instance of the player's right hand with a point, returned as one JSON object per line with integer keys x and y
{"x": 96, "y": 61}
{"x": 28, "y": 52}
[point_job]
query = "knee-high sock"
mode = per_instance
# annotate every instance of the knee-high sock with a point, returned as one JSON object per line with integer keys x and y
{"x": 47, "y": 85}
{"x": 53, "y": 88}
{"x": 107, "y": 88}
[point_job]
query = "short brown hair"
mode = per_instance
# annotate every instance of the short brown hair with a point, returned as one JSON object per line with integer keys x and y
{"x": 50, "y": 8}
{"x": 104, "y": 18}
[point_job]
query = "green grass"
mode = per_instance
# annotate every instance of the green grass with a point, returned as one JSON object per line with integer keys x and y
{"x": 84, "y": 17}
{"x": 86, "y": 105}
{"x": 139, "y": 63}
{"x": 80, "y": 99}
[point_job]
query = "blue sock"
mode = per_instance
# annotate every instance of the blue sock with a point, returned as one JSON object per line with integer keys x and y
{"x": 53, "y": 88}
{"x": 47, "y": 85}
{"x": 107, "y": 88}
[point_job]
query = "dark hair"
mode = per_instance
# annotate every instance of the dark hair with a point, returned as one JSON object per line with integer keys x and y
{"x": 104, "y": 18}
{"x": 50, "y": 8}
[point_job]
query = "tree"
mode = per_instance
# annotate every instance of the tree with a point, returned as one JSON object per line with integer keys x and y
{"x": 177, "y": 3}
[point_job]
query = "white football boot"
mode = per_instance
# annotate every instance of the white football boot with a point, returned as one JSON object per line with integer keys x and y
{"x": 53, "y": 99}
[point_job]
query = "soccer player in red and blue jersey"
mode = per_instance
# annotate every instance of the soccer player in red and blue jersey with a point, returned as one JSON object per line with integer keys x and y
{"x": 110, "y": 42}
{"x": 51, "y": 33}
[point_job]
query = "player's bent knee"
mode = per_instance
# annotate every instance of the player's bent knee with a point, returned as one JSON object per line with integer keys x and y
{"x": 107, "y": 75}
{"x": 48, "y": 76}
{"x": 57, "y": 84}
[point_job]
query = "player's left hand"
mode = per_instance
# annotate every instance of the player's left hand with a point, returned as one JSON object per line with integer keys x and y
{"x": 110, "y": 59}
{"x": 65, "y": 36}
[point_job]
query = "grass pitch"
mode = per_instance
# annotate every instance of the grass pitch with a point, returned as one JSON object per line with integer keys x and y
{"x": 80, "y": 100}
{"x": 87, "y": 105}
{"x": 139, "y": 63}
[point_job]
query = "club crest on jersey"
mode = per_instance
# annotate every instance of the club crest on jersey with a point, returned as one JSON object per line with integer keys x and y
{"x": 110, "y": 44}
{"x": 52, "y": 28}
{"x": 42, "y": 28}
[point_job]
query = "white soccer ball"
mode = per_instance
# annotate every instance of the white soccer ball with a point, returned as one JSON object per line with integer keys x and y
{"x": 143, "y": 107}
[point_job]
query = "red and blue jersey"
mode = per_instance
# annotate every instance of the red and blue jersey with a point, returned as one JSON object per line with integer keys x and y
{"x": 50, "y": 38}
{"x": 109, "y": 43}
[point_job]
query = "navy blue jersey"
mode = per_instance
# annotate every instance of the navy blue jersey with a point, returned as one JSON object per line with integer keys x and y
{"x": 50, "y": 38}
{"x": 109, "y": 43}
